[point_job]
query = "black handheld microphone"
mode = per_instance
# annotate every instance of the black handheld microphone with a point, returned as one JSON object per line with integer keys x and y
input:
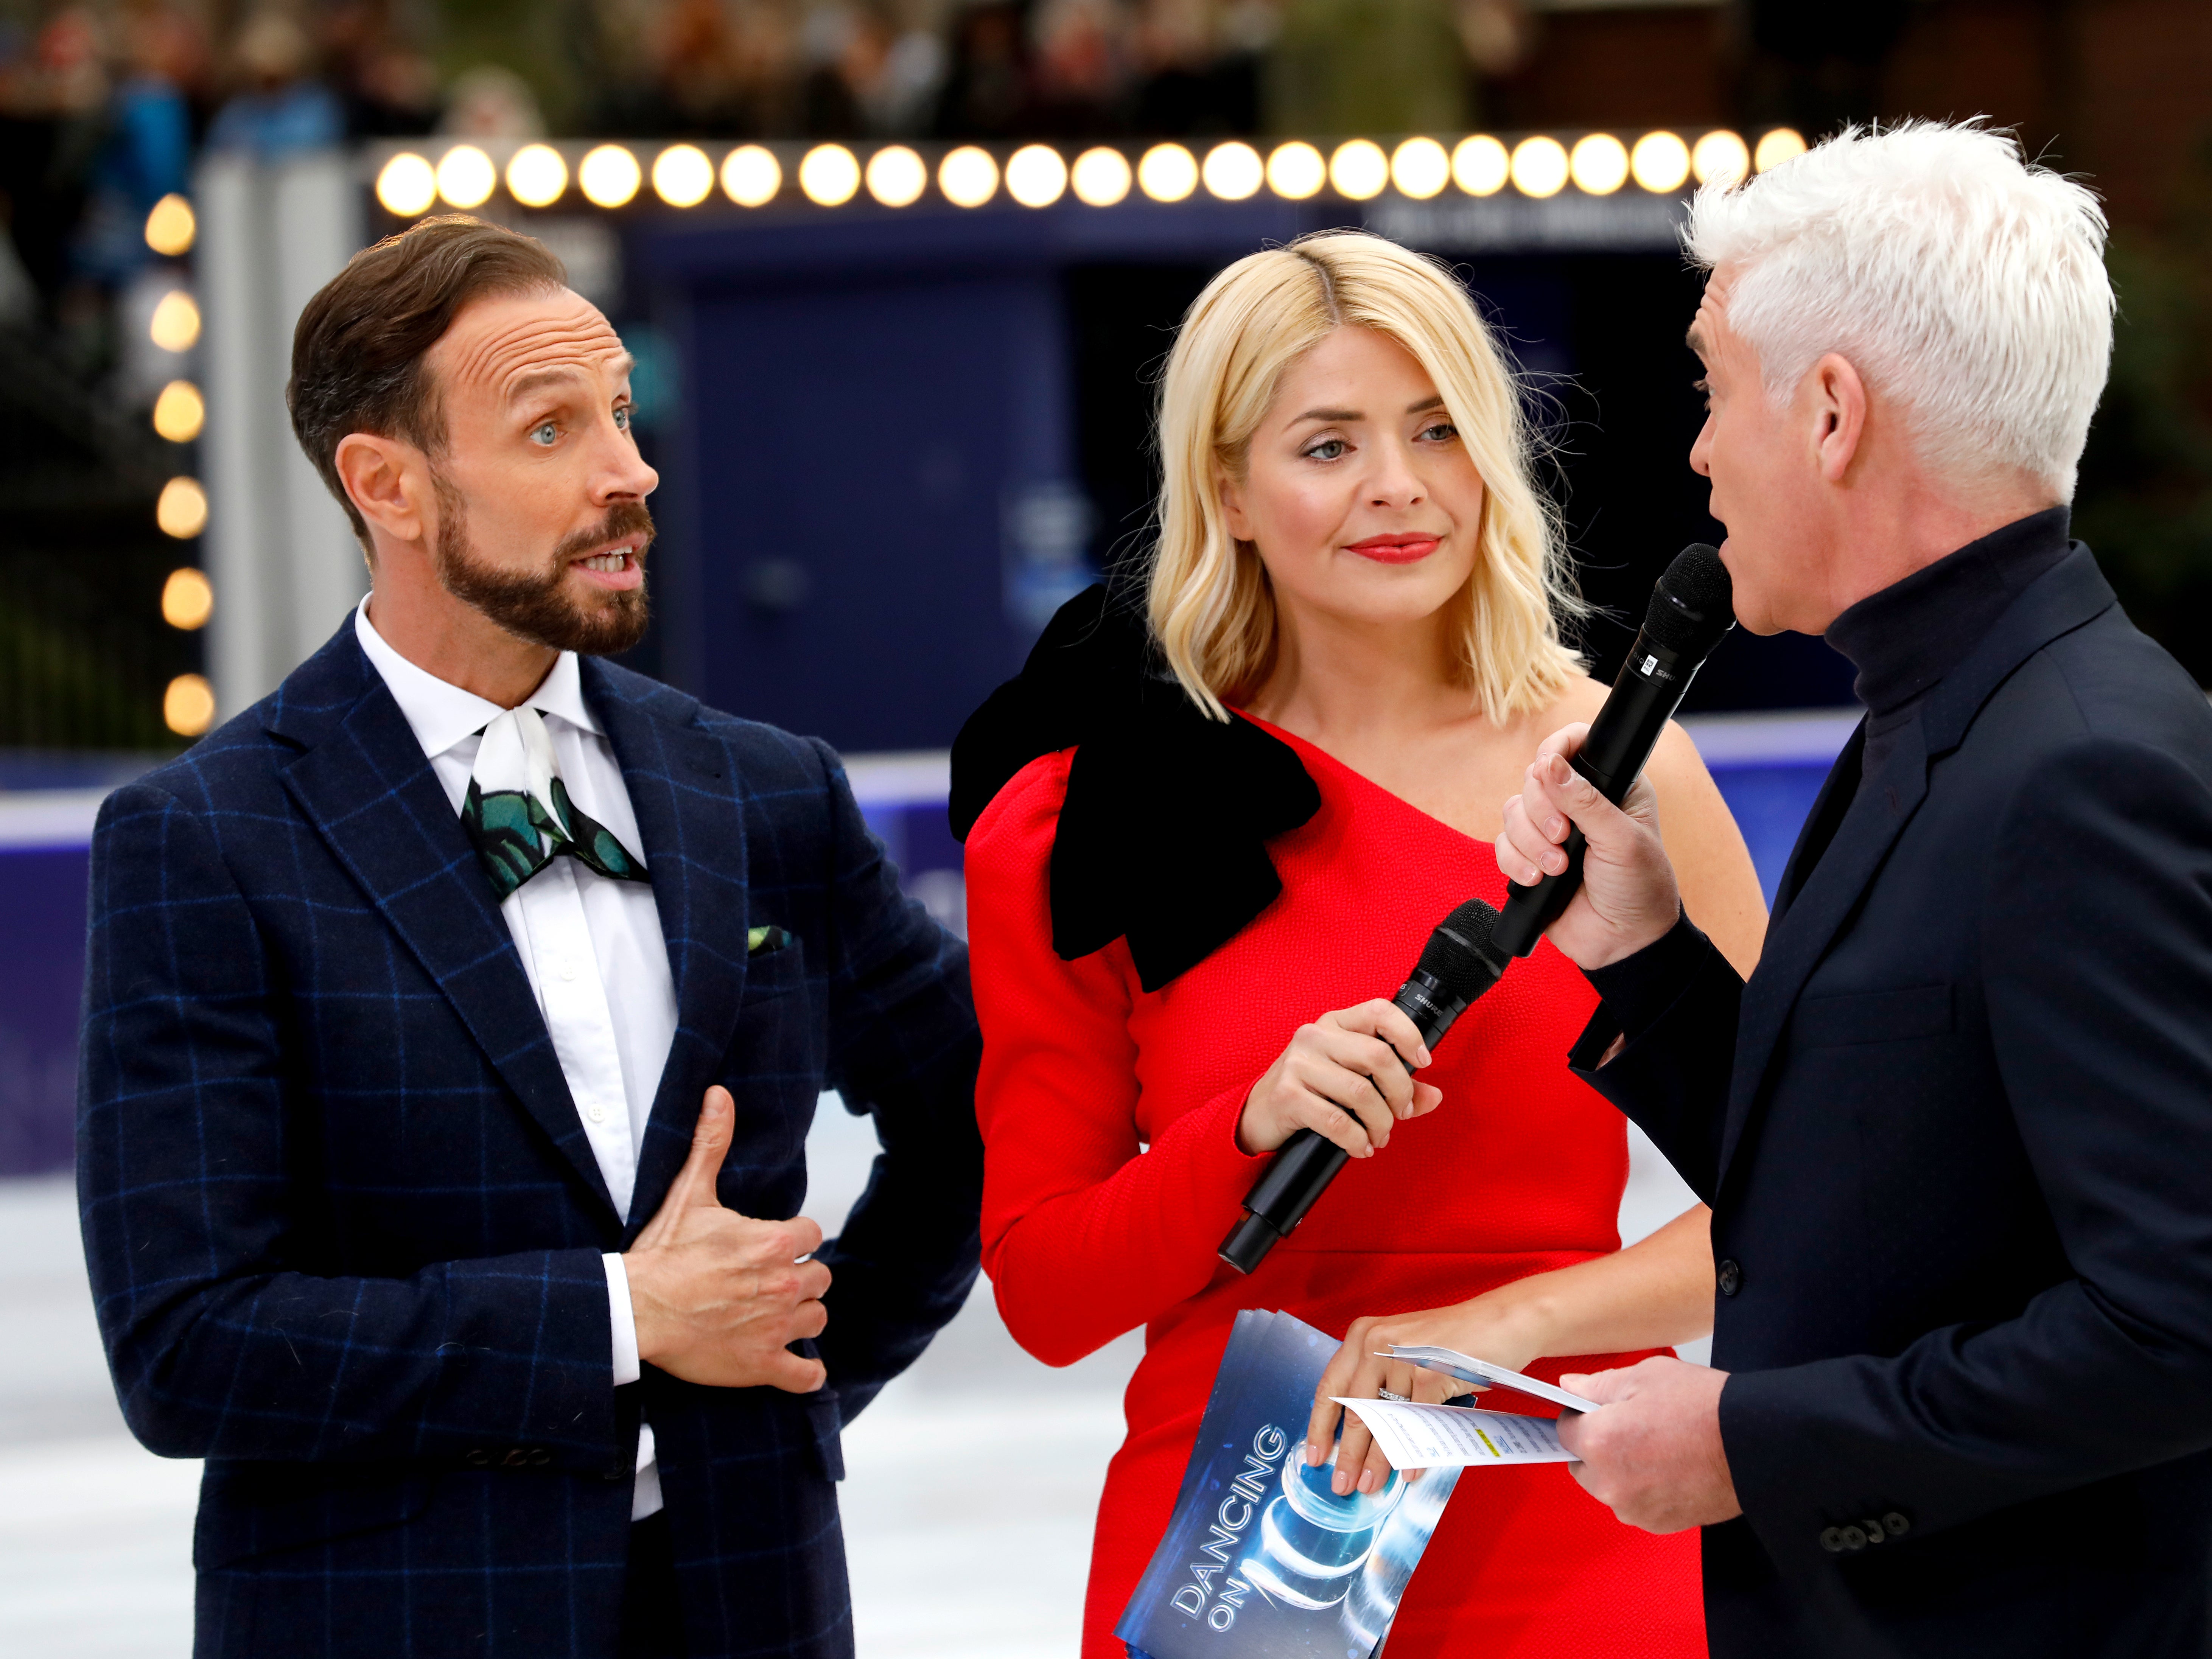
{"x": 1692, "y": 607}
{"x": 1457, "y": 965}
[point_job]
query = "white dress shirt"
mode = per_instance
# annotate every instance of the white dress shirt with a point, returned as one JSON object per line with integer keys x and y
{"x": 591, "y": 945}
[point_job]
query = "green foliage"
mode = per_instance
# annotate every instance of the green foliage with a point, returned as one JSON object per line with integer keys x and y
{"x": 58, "y": 690}
{"x": 2144, "y": 500}
{"x": 1370, "y": 66}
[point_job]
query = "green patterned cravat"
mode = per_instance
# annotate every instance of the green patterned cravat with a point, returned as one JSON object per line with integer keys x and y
{"x": 517, "y": 832}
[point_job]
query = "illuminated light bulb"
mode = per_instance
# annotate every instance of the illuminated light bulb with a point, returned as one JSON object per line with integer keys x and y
{"x": 751, "y": 176}
{"x": 1233, "y": 172}
{"x": 176, "y": 322}
{"x": 1296, "y": 171}
{"x": 609, "y": 176}
{"x": 1102, "y": 176}
{"x": 182, "y": 509}
{"x": 1167, "y": 172}
{"x": 1599, "y": 163}
{"x": 896, "y": 176}
{"x": 1359, "y": 169}
{"x": 682, "y": 175}
{"x": 466, "y": 176}
{"x": 1719, "y": 155}
{"x": 406, "y": 185}
{"x": 537, "y": 176}
{"x": 1540, "y": 166}
{"x": 188, "y": 706}
{"x": 829, "y": 175}
{"x": 1419, "y": 168}
{"x": 180, "y": 412}
{"x": 968, "y": 176}
{"x": 171, "y": 227}
{"x": 1661, "y": 161}
{"x": 1783, "y": 144}
{"x": 1035, "y": 175}
{"x": 187, "y": 599}
{"x": 1480, "y": 166}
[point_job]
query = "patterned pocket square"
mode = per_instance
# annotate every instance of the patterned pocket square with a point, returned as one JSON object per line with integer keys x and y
{"x": 761, "y": 941}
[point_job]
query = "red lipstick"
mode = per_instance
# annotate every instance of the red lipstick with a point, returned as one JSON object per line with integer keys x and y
{"x": 1409, "y": 549}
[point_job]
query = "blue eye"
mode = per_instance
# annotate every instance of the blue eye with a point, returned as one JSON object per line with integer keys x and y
{"x": 1327, "y": 449}
{"x": 544, "y": 432}
{"x": 1443, "y": 431}
{"x": 622, "y": 418}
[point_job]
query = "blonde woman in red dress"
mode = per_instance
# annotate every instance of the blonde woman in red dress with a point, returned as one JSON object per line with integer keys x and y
{"x": 1209, "y": 829}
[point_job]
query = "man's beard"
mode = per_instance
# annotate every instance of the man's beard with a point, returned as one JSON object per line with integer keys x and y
{"x": 535, "y": 606}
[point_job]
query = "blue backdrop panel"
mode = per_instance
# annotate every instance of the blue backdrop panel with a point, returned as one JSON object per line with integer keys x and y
{"x": 42, "y": 909}
{"x": 856, "y": 442}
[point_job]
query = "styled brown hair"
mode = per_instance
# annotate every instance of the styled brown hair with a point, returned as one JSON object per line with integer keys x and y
{"x": 358, "y": 352}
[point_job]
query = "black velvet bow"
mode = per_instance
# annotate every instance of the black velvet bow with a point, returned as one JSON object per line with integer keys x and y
{"x": 1163, "y": 837}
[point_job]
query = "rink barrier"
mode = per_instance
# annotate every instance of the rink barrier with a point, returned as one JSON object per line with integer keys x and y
{"x": 1768, "y": 767}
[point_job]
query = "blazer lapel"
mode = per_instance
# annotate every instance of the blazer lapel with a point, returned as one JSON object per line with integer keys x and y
{"x": 693, "y": 830}
{"x": 363, "y": 782}
{"x": 1799, "y": 935}
{"x": 1809, "y": 916}
{"x": 1821, "y": 825}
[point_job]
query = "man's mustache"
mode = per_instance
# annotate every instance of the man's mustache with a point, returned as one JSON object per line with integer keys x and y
{"x": 627, "y": 518}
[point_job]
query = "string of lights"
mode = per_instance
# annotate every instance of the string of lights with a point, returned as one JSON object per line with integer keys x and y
{"x": 613, "y": 175}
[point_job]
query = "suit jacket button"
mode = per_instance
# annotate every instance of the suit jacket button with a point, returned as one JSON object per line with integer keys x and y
{"x": 1874, "y": 1532}
{"x": 1854, "y": 1538}
{"x": 539, "y": 1457}
{"x": 515, "y": 1458}
{"x": 1832, "y": 1540}
{"x": 477, "y": 1458}
{"x": 1730, "y": 1276}
{"x": 1896, "y": 1523}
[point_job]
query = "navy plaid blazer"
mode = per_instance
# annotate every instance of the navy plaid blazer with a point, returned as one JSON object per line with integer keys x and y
{"x": 344, "y": 1227}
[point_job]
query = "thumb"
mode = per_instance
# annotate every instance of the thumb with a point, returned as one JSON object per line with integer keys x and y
{"x": 1577, "y": 798}
{"x": 694, "y": 1186}
{"x": 1602, "y": 1388}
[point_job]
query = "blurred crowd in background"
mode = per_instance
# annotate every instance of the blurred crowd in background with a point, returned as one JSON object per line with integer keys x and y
{"x": 107, "y": 107}
{"x": 103, "y": 106}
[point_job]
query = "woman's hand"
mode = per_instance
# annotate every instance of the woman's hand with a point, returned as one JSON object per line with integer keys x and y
{"x": 1342, "y": 1078}
{"x": 1500, "y": 1327}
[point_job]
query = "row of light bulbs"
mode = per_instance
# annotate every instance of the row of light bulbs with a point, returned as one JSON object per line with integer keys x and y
{"x": 1037, "y": 175}
{"x": 181, "y": 511}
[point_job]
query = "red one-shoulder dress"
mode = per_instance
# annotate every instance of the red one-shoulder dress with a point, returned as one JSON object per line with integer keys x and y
{"x": 1112, "y": 1173}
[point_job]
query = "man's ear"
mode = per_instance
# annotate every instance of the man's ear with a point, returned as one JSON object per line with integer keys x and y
{"x": 387, "y": 480}
{"x": 1839, "y": 415}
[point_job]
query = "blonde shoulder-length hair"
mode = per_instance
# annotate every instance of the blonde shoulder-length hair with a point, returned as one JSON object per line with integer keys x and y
{"x": 1211, "y": 605}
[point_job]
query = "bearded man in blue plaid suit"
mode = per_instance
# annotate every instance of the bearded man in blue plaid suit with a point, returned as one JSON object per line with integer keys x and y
{"x": 455, "y": 1018}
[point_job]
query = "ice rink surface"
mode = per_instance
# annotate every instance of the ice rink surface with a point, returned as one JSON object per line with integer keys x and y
{"x": 977, "y": 1456}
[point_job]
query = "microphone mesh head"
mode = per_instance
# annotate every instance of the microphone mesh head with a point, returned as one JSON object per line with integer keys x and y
{"x": 1459, "y": 954}
{"x": 1693, "y": 604}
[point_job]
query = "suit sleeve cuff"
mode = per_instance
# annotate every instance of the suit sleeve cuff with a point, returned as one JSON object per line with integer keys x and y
{"x": 627, "y": 1368}
{"x": 1639, "y": 990}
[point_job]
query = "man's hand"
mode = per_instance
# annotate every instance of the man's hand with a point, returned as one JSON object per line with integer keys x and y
{"x": 1653, "y": 1456}
{"x": 1627, "y": 899}
{"x": 718, "y": 1296}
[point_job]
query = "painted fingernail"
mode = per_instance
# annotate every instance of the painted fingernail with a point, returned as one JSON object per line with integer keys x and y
{"x": 1340, "y": 1483}
{"x": 1367, "y": 1480}
{"x": 1421, "y": 1055}
{"x": 1313, "y": 1456}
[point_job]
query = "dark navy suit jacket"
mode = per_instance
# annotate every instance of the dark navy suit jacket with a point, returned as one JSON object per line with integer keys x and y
{"x": 1957, "y": 1135}
{"x": 344, "y": 1227}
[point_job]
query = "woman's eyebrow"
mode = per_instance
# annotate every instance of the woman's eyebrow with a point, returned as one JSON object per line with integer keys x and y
{"x": 1331, "y": 414}
{"x": 1434, "y": 401}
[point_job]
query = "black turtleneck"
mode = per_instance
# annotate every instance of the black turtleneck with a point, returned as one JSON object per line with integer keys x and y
{"x": 1905, "y": 638}
{"x": 1902, "y": 640}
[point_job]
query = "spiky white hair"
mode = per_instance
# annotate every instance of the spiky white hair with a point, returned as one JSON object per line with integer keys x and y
{"x": 1956, "y": 277}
